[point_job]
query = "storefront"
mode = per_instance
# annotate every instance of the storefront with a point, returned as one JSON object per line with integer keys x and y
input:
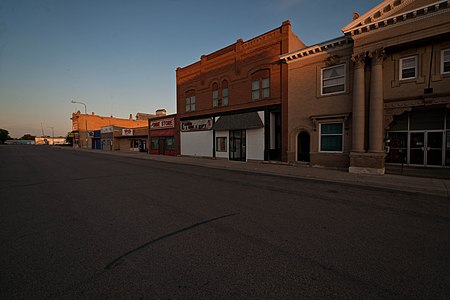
{"x": 132, "y": 139}
{"x": 420, "y": 138}
{"x": 162, "y": 136}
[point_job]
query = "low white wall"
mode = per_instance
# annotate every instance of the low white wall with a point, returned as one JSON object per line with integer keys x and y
{"x": 197, "y": 143}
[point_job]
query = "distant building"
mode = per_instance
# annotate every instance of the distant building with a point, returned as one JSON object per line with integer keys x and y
{"x": 50, "y": 140}
{"x": 20, "y": 142}
{"x": 95, "y": 122}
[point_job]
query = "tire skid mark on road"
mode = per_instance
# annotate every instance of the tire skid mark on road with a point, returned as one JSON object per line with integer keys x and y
{"x": 119, "y": 259}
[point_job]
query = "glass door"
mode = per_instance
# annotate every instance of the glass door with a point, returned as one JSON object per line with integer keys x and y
{"x": 417, "y": 148}
{"x": 237, "y": 145}
{"x": 434, "y": 148}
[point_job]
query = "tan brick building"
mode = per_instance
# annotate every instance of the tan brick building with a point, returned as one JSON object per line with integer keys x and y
{"x": 231, "y": 103}
{"x": 95, "y": 122}
{"x": 379, "y": 94}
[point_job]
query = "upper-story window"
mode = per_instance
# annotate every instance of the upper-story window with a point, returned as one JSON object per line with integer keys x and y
{"x": 445, "y": 61}
{"x": 333, "y": 79}
{"x": 261, "y": 85}
{"x": 224, "y": 93}
{"x": 190, "y": 101}
{"x": 215, "y": 95}
{"x": 408, "y": 68}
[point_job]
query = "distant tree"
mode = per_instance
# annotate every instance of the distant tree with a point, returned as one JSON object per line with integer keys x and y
{"x": 4, "y": 135}
{"x": 28, "y": 137}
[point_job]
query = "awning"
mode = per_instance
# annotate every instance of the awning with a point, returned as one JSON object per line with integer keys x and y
{"x": 240, "y": 121}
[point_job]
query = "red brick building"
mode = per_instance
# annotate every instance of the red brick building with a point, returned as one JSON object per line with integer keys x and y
{"x": 232, "y": 103}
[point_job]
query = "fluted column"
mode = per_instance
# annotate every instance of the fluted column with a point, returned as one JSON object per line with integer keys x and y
{"x": 358, "y": 109}
{"x": 376, "y": 143}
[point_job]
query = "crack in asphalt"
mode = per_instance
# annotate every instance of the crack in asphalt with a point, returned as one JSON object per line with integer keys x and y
{"x": 119, "y": 259}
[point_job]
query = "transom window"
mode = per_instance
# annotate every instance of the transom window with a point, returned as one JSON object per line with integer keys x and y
{"x": 331, "y": 137}
{"x": 333, "y": 80}
{"x": 445, "y": 61}
{"x": 408, "y": 67}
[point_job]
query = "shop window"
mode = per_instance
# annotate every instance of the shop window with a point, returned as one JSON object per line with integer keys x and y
{"x": 261, "y": 85}
{"x": 221, "y": 144}
{"x": 445, "y": 61}
{"x": 170, "y": 145}
{"x": 190, "y": 101}
{"x": 333, "y": 80}
{"x": 331, "y": 137}
{"x": 398, "y": 147}
{"x": 155, "y": 144}
{"x": 215, "y": 95}
{"x": 408, "y": 68}
{"x": 224, "y": 93}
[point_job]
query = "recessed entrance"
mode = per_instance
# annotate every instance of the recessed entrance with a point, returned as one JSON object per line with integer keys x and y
{"x": 303, "y": 145}
{"x": 426, "y": 148}
{"x": 237, "y": 145}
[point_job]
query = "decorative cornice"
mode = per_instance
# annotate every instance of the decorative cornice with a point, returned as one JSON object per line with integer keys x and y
{"x": 379, "y": 23}
{"x": 340, "y": 42}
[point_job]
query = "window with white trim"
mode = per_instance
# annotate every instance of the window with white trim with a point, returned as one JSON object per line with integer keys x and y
{"x": 261, "y": 84}
{"x": 331, "y": 137}
{"x": 333, "y": 79}
{"x": 445, "y": 61}
{"x": 408, "y": 68}
{"x": 221, "y": 144}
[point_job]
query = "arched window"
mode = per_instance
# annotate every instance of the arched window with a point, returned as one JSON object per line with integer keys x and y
{"x": 215, "y": 95}
{"x": 190, "y": 100}
{"x": 224, "y": 93}
{"x": 261, "y": 85}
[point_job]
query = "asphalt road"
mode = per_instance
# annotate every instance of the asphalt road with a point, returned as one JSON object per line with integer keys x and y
{"x": 77, "y": 224}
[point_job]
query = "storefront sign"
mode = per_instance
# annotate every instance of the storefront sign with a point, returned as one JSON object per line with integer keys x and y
{"x": 196, "y": 125}
{"x": 164, "y": 123}
{"x": 107, "y": 129}
{"x": 127, "y": 131}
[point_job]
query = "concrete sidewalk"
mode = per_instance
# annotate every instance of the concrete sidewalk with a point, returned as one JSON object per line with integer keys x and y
{"x": 430, "y": 186}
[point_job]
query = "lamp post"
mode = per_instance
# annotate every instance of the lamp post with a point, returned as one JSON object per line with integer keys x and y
{"x": 53, "y": 135}
{"x": 85, "y": 112}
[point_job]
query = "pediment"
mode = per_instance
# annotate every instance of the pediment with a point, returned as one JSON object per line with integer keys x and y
{"x": 384, "y": 10}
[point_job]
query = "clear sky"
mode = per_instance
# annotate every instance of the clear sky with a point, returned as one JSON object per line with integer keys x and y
{"x": 120, "y": 56}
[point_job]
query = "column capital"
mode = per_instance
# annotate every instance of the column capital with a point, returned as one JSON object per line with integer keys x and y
{"x": 359, "y": 60}
{"x": 377, "y": 56}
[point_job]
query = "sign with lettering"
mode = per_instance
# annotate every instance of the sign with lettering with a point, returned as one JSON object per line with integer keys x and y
{"x": 107, "y": 129}
{"x": 196, "y": 125}
{"x": 127, "y": 131}
{"x": 164, "y": 123}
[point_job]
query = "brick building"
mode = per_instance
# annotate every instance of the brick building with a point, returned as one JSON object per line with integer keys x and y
{"x": 231, "y": 102}
{"x": 379, "y": 94}
{"x": 95, "y": 122}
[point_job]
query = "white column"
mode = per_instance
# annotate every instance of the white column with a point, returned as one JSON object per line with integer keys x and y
{"x": 376, "y": 142}
{"x": 358, "y": 109}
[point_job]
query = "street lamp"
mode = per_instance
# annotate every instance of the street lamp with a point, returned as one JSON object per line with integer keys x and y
{"x": 53, "y": 135}
{"x": 85, "y": 112}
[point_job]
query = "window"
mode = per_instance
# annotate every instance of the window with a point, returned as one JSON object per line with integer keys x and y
{"x": 331, "y": 137}
{"x": 215, "y": 95}
{"x": 155, "y": 143}
{"x": 190, "y": 103}
{"x": 445, "y": 61}
{"x": 333, "y": 80}
{"x": 169, "y": 143}
{"x": 224, "y": 93}
{"x": 255, "y": 89}
{"x": 408, "y": 68}
{"x": 221, "y": 144}
{"x": 261, "y": 85}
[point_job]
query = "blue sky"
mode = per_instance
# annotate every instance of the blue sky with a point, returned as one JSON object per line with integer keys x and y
{"x": 120, "y": 56}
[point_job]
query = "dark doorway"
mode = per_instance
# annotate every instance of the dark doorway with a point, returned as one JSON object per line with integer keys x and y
{"x": 162, "y": 145}
{"x": 303, "y": 141}
{"x": 237, "y": 145}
